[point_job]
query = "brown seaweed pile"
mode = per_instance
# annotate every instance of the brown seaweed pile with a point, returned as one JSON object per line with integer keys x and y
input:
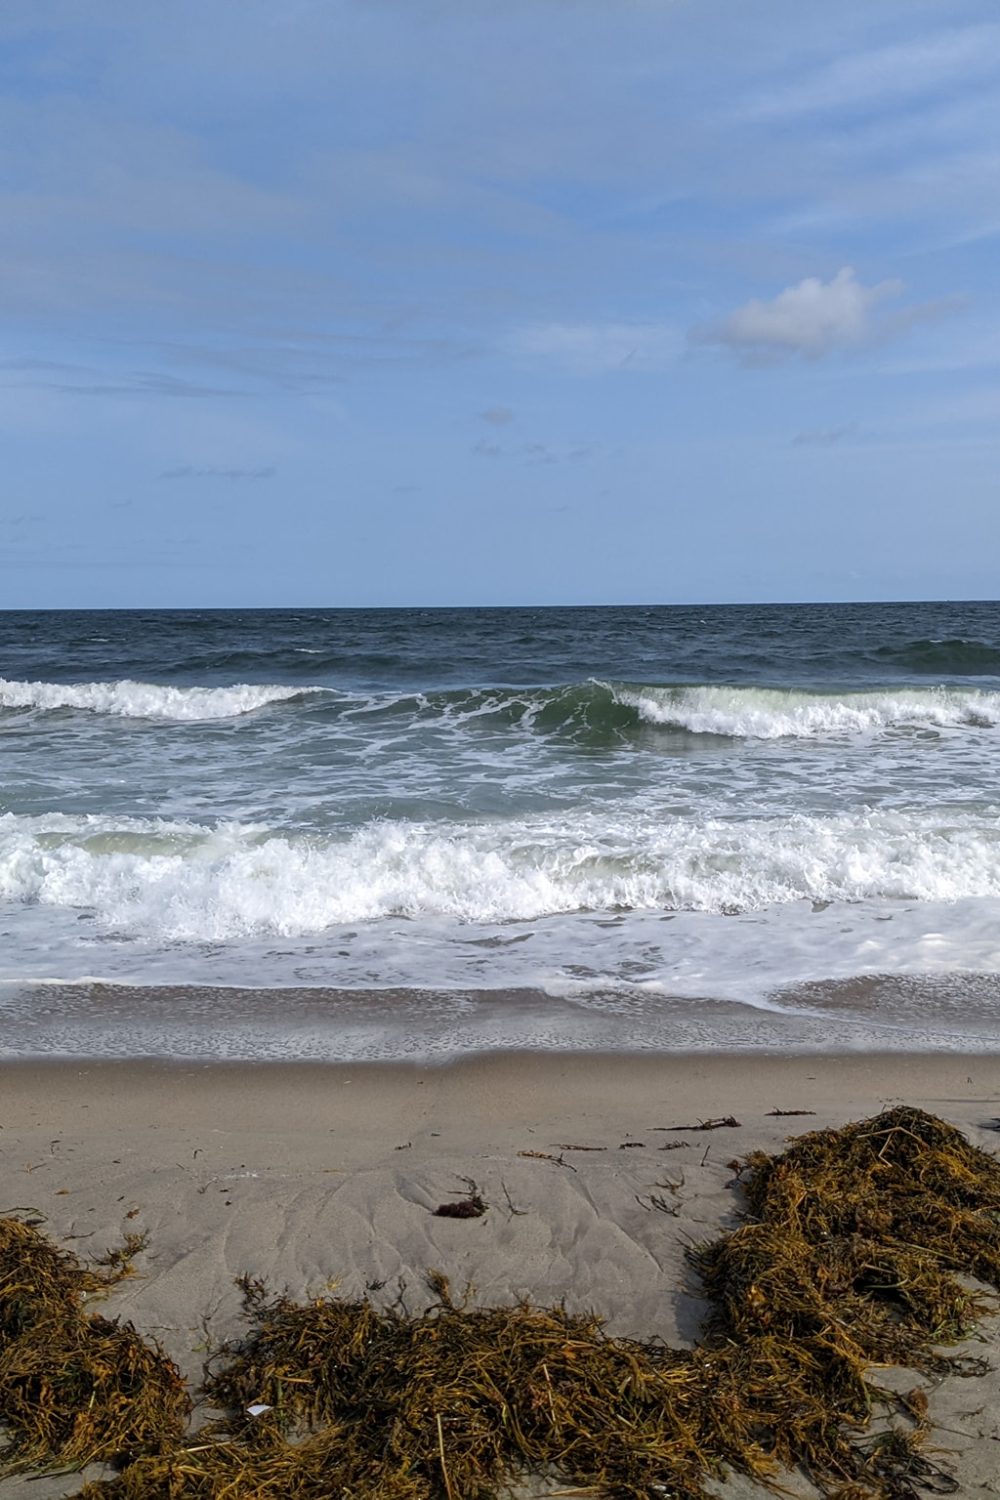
{"x": 857, "y": 1251}
{"x": 454, "y": 1403}
{"x": 74, "y": 1386}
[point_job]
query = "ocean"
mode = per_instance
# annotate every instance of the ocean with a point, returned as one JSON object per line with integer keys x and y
{"x": 416, "y": 832}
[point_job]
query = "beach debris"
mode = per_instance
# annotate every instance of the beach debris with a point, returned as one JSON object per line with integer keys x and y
{"x": 560, "y": 1147}
{"x": 74, "y": 1386}
{"x": 258, "y": 1408}
{"x": 120, "y": 1260}
{"x": 674, "y": 1145}
{"x": 724, "y": 1122}
{"x": 466, "y": 1208}
{"x": 547, "y": 1156}
{"x": 472, "y": 1206}
{"x": 785, "y": 1114}
{"x": 860, "y": 1248}
{"x": 656, "y": 1200}
{"x": 632, "y": 1146}
{"x": 672, "y": 1187}
{"x": 512, "y": 1212}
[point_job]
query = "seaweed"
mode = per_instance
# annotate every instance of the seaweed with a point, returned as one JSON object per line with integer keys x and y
{"x": 75, "y": 1386}
{"x": 458, "y": 1401}
{"x": 856, "y": 1252}
{"x": 853, "y": 1256}
{"x": 472, "y": 1206}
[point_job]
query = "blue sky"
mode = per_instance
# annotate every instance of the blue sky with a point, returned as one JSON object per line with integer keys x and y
{"x": 350, "y": 302}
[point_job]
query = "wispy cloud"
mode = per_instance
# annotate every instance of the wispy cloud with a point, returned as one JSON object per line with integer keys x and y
{"x": 598, "y": 348}
{"x": 535, "y": 452}
{"x": 29, "y": 366}
{"x": 78, "y": 380}
{"x": 188, "y": 471}
{"x": 823, "y": 437}
{"x": 497, "y": 416}
{"x": 882, "y": 74}
{"x": 812, "y": 319}
{"x": 145, "y": 383}
{"x": 25, "y": 518}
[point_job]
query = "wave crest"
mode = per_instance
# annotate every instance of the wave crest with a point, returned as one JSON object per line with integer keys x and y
{"x": 146, "y": 700}
{"x": 783, "y": 713}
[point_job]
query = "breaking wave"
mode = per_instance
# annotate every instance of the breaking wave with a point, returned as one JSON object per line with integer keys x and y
{"x": 590, "y": 713}
{"x": 180, "y": 881}
{"x": 146, "y": 700}
{"x": 597, "y": 713}
{"x": 780, "y": 713}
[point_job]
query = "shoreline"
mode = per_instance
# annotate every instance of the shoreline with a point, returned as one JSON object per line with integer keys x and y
{"x": 953, "y": 1013}
{"x": 514, "y": 1059}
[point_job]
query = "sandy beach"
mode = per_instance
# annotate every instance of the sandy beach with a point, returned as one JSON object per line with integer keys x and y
{"x": 322, "y": 1176}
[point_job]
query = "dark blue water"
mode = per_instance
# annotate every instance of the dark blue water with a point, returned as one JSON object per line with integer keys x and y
{"x": 779, "y": 645}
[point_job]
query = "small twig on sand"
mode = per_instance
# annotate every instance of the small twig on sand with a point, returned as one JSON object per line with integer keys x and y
{"x": 513, "y": 1213}
{"x": 547, "y": 1156}
{"x": 656, "y": 1200}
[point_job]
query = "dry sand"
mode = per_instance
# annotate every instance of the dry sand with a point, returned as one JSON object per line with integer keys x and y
{"x": 314, "y": 1175}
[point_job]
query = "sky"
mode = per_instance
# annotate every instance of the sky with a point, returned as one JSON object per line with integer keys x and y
{"x": 402, "y": 302}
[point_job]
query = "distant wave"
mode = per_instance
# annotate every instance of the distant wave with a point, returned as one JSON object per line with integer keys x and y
{"x": 592, "y": 714}
{"x": 146, "y": 700}
{"x": 953, "y": 657}
{"x": 179, "y": 881}
{"x": 602, "y": 713}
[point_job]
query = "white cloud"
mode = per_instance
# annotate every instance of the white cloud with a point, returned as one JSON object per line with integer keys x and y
{"x": 810, "y": 319}
{"x": 596, "y": 348}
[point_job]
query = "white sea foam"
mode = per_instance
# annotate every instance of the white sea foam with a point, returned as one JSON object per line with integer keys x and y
{"x": 775, "y": 713}
{"x": 146, "y": 700}
{"x": 179, "y": 881}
